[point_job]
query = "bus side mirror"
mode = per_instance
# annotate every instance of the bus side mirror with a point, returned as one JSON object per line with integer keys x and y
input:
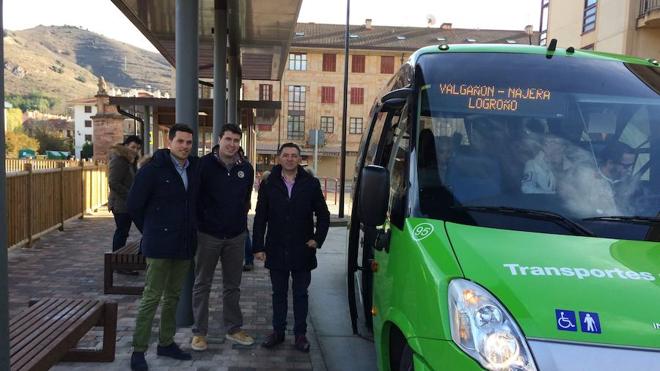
{"x": 374, "y": 195}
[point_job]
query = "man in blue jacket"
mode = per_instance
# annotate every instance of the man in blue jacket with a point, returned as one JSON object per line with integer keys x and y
{"x": 162, "y": 205}
{"x": 289, "y": 198}
{"x": 225, "y": 183}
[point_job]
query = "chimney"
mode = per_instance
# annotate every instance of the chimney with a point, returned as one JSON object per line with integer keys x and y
{"x": 445, "y": 26}
{"x": 367, "y": 24}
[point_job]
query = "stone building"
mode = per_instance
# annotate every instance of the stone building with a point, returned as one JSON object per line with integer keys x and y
{"x": 311, "y": 90}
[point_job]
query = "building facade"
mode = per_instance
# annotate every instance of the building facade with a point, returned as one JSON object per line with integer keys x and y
{"x": 629, "y": 27}
{"x": 83, "y": 110}
{"x": 311, "y": 90}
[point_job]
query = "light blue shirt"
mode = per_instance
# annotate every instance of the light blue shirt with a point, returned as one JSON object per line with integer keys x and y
{"x": 181, "y": 169}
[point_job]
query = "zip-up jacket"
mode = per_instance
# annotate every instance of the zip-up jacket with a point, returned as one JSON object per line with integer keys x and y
{"x": 224, "y": 196}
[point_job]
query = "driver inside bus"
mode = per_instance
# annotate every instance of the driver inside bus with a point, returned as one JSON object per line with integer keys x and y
{"x": 616, "y": 162}
{"x": 605, "y": 190}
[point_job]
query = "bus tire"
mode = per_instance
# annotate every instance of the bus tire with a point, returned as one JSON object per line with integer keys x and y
{"x": 401, "y": 355}
{"x": 406, "y": 362}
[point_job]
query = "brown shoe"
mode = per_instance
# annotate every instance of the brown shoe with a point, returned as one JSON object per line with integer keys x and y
{"x": 272, "y": 340}
{"x": 302, "y": 344}
{"x": 240, "y": 337}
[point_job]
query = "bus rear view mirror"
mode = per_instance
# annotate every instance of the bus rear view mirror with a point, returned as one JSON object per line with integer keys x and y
{"x": 374, "y": 194}
{"x": 395, "y": 99}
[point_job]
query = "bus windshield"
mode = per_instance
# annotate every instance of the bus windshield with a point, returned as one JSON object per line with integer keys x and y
{"x": 571, "y": 136}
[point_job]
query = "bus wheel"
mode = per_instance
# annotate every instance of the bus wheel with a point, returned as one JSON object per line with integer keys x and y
{"x": 406, "y": 362}
{"x": 401, "y": 355}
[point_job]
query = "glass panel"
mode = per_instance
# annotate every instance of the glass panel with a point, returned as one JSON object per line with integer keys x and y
{"x": 519, "y": 131}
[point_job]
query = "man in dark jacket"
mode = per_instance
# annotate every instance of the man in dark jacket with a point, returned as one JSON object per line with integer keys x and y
{"x": 162, "y": 204}
{"x": 288, "y": 200}
{"x": 122, "y": 166}
{"x": 225, "y": 187}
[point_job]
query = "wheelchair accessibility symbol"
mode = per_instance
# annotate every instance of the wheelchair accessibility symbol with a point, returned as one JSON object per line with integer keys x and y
{"x": 421, "y": 231}
{"x": 565, "y": 320}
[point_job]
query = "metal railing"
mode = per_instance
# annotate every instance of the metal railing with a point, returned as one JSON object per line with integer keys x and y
{"x": 647, "y": 6}
{"x": 328, "y": 186}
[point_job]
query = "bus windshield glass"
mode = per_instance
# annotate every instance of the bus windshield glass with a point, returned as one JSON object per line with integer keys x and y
{"x": 578, "y": 137}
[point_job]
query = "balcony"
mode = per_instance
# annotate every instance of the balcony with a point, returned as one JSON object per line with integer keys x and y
{"x": 649, "y": 14}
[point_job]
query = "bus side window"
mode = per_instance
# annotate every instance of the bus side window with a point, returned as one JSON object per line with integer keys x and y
{"x": 381, "y": 119}
{"x": 398, "y": 166}
{"x": 386, "y": 142}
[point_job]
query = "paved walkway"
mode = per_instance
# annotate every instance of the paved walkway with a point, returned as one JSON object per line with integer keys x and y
{"x": 70, "y": 264}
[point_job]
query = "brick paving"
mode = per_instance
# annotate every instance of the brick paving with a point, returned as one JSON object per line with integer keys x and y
{"x": 70, "y": 264}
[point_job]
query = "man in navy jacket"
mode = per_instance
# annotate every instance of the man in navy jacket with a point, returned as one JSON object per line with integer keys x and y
{"x": 161, "y": 203}
{"x": 288, "y": 201}
{"x": 225, "y": 183}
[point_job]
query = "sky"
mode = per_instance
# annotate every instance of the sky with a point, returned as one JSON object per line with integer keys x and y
{"x": 103, "y": 17}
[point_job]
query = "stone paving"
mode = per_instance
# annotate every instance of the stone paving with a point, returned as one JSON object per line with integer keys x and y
{"x": 70, "y": 264}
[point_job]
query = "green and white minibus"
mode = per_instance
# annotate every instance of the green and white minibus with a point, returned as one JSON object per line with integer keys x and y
{"x": 505, "y": 212}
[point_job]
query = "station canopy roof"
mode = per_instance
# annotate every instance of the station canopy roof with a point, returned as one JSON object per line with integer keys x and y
{"x": 261, "y": 30}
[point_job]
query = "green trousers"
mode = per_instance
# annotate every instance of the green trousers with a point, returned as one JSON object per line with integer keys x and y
{"x": 164, "y": 279}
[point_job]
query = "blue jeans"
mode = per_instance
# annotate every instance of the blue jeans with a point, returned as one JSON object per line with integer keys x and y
{"x": 249, "y": 257}
{"x": 123, "y": 223}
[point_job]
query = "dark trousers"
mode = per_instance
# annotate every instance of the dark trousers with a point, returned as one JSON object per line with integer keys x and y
{"x": 280, "y": 281}
{"x": 123, "y": 223}
{"x": 249, "y": 257}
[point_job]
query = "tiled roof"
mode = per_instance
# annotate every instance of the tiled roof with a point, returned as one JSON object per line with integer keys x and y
{"x": 399, "y": 38}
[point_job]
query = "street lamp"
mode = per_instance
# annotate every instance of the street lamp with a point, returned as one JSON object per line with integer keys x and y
{"x": 529, "y": 30}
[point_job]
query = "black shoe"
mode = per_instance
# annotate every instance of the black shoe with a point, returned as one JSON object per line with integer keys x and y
{"x": 173, "y": 351}
{"x": 138, "y": 363}
{"x": 302, "y": 344}
{"x": 248, "y": 267}
{"x": 127, "y": 272}
{"x": 273, "y": 339}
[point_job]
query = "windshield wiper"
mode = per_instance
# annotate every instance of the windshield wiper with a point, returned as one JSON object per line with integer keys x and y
{"x": 559, "y": 219}
{"x": 635, "y": 219}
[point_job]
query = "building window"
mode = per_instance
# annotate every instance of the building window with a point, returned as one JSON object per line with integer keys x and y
{"x": 88, "y": 109}
{"x": 387, "y": 64}
{"x": 328, "y": 124}
{"x": 355, "y": 125}
{"x": 265, "y": 92}
{"x": 88, "y": 123}
{"x": 589, "y": 18}
{"x": 329, "y": 62}
{"x": 357, "y": 65}
{"x": 298, "y": 62}
{"x": 297, "y": 97}
{"x": 327, "y": 94}
{"x": 88, "y": 138}
{"x": 357, "y": 95}
{"x": 296, "y": 127}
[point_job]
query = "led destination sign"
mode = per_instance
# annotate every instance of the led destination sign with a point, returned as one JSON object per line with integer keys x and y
{"x": 495, "y": 98}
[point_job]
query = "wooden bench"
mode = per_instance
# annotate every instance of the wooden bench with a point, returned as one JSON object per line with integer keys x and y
{"x": 126, "y": 258}
{"x": 48, "y": 331}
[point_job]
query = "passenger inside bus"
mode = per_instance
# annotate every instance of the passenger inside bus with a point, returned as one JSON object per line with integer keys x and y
{"x": 542, "y": 172}
{"x": 475, "y": 172}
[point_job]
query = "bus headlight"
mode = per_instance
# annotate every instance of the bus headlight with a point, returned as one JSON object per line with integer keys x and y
{"x": 484, "y": 330}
